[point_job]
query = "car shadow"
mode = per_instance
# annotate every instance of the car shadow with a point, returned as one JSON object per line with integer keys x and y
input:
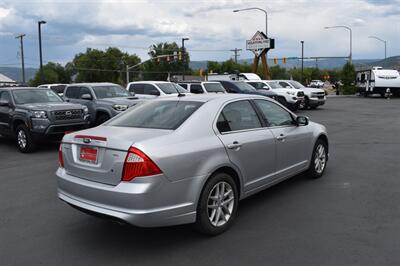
{"x": 42, "y": 146}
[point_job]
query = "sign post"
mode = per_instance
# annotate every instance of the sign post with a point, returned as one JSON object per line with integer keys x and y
{"x": 260, "y": 44}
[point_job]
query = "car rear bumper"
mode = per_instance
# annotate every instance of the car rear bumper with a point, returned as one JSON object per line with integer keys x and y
{"x": 145, "y": 202}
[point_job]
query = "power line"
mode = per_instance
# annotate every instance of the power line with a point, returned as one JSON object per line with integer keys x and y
{"x": 236, "y": 52}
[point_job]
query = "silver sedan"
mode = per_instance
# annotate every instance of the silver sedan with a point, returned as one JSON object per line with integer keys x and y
{"x": 187, "y": 159}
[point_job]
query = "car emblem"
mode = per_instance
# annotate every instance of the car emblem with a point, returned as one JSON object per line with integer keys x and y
{"x": 87, "y": 140}
{"x": 68, "y": 113}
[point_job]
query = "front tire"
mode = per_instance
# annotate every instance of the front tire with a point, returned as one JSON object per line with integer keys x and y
{"x": 319, "y": 159}
{"x": 217, "y": 207}
{"x": 24, "y": 139}
{"x": 101, "y": 118}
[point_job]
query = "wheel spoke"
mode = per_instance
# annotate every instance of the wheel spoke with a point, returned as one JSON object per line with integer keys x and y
{"x": 226, "y": 210}
{"x": 224, "y": 203}
{"x": 228, "y": 193}
{"x": 212, "y": 206}
{"x": 217, "y": 217}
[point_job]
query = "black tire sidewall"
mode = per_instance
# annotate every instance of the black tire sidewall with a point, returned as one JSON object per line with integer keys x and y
{"x": 312, "y": 172}
{"x": 203, "y": 224}
{"x": 101, "y": 119}
{"x": 30, "y": 145}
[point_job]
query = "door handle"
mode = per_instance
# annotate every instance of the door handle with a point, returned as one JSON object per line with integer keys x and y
{"x": 234, "y": 145}
{"x": 281, "y": 137}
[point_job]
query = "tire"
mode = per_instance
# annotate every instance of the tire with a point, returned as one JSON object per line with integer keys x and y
{"x": 101, "y": 118}
{"x": 306, "y": 103}
{"x": 313, "y": 107}
{"x": 207, "y": 221}
{"x": 24, "y": 140}
{"x": 316, "y": 170}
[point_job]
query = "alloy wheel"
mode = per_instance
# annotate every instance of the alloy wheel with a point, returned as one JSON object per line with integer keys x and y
{"x": 21, "y": 137}
{"x": 220, "y": 204}
{"x": 320, "y": 159}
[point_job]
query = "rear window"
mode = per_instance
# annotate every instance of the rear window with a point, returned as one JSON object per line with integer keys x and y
{"x": 170, "y": 88}
{"x": 58, "y": 88}
{"x": 214, "y": 87}
{"x": 157, "y": 114}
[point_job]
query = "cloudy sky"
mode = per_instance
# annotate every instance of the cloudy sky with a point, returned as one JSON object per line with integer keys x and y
{"x": 212, "y": 27}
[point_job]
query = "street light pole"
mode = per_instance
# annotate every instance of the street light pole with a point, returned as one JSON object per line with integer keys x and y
{"x": 40, "y": 49}
{"x": 379, "y": 39}
{"x": 184, "y": 57}
{"x": 21, "y": 36}
{"x": 260, "y": 9}
{"x": 351, "y": 39}
{"x": 302, "y": 60}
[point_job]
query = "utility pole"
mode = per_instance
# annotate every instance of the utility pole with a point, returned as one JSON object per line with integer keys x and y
{"x": 236, "y": 52}
{"x": 20, "y": 37}
{"x": 184, "y": 57}
{"x": 302, "y": 60}
{"x": 40, "y": 49}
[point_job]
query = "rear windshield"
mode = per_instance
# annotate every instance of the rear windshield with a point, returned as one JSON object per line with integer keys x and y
{"x": 169, "y": 88}
{"x": 157, "y": 114}
{"x": 110, "y": 92}
{"x": 257, "y": 85}
{"x": 244, "y": 87}
{"x": 58, "y": 88}
{"x": 214, "y": 87}
{"x": 35, "y": 96}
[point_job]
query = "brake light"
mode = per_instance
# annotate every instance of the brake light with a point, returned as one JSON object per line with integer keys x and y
{"x": 138, "y": 164}
{"x": 60, "y": 156}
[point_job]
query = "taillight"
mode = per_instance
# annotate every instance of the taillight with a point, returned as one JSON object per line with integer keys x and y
{"x": 60, "y": 157}
{"x": 138, "y": 164}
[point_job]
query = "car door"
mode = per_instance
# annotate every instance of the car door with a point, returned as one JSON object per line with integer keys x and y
{"x": 5, "y": 113}
{"x": 249, "y": 145}
{"x": 293, "y": 143}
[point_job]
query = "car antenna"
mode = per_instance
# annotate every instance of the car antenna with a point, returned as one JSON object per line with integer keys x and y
{"x": 180, "y": 94}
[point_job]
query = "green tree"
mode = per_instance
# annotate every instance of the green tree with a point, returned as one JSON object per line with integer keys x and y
{"x": 53, "y": 73}
{"x": 278, "y": 72}
{"x": 158, "y": 69}
{"x": 102, "y": 66}
{"x": 348, "y": 76}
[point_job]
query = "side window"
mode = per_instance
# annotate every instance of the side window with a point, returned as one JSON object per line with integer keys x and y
{"x": 150, "y": 90}
{"x": 5, "y": 96}
{"x": 238, "y": 115}
{"x": 183, "y": 85}
{"x": 275, "y": 115}
{"x": 83, "y": 91}
{"x": 228, "y": 87}
{"x": 284, "y": 84}
{"x": 196, "y": 88}
{"x": 72, "y": 92}
{"x": 136, "y": 88}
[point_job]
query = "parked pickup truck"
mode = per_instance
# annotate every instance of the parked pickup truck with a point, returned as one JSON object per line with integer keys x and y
{"x": 104, "y": 100}
{"x": 31, "y": 114}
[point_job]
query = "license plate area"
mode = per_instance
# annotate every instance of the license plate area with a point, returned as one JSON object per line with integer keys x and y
{"x": 88, "y": 154}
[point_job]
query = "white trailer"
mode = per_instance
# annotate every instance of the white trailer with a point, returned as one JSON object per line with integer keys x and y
{"x": 377, "y": 81}
{"x": 238, "y": 76}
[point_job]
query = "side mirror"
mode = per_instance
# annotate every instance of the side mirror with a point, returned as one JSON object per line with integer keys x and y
{"x": 266, "y": 88}
{"x": 302, "y": 120}
{"x": 132, "y": 93}
{"x": 4, "y": 103}
{"x": 86, "y": 97}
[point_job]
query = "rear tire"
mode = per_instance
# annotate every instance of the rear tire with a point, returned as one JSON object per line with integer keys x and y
{"x": 319, "y": 159}
{"x": 24, "y": 140}
{"x": 217, "y": 207}
{"x": 101, "y": 118}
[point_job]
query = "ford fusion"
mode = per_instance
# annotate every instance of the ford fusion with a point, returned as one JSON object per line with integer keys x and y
{"x": 187, "y": 159}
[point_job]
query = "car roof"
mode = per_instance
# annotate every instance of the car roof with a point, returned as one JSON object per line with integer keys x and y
{"x": 93, "y": 84}
{"x": 212, "y": 97}
{"x": 149, "y": 82}
{"x": 23, "y": 88}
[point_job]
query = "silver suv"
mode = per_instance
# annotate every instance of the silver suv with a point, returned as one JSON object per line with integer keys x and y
{"x": 103, "y": 100}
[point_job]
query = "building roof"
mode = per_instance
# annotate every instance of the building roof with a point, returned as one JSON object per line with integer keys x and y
{"x": 5, "y": 79}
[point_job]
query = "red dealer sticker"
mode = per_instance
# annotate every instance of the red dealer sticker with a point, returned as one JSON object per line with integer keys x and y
{"x": 88, "y": 154}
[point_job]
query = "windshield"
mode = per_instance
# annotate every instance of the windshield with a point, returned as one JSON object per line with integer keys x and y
{"x": 157, "y": 114}
{"x": 170, "y": 88}
{"x": 110, "y": 92}
{"x": 258, "y": 85}
{"x": 214, "y": 87}
{"x": 296, "y": 84}
{"x": 274, "y": 85}
{"x": 243, "y": 86}
{"x": 35, "y": 96}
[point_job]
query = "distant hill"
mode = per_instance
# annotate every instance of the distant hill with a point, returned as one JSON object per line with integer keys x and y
{"x": 391, "y": 62}
{"x": 15, "y": 73}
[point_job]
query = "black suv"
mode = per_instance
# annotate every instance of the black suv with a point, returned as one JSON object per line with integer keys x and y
{"x": 32, "y": 114}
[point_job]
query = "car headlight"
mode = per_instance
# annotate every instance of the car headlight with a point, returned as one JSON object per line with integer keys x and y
{"x": 291, "y": 92}
{"x": 39, "y": 114}
{"x": 85, "y": 110}
{"x": 120, "y": 107}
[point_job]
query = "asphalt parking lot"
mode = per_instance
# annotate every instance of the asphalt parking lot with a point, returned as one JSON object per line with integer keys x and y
{"x": 351, "y": 216}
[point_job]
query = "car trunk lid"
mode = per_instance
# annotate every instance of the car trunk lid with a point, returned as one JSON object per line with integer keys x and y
{"x": 98, "y": 154}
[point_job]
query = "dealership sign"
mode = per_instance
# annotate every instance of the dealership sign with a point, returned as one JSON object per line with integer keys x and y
{"x": 259, "y": 42}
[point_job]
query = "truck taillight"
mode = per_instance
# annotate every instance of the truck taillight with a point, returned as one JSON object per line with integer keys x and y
{"x": 138, "y": 164}
{"x": 60, "y": 156}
